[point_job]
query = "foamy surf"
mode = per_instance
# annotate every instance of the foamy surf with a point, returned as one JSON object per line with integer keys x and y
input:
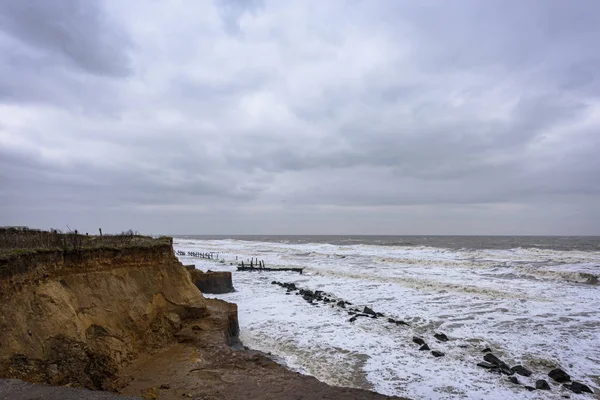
{"x": 532, "y": 306}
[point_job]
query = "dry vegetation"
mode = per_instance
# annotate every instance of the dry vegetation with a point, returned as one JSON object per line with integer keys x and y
{"x": 17, "y": 241}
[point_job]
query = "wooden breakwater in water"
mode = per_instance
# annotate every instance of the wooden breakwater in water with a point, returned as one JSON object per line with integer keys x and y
{"x": 259, "y": 266}
{"x": 251, "y": 265}
{"x": 208, "y": 255}
{"x": 258, "y": 269}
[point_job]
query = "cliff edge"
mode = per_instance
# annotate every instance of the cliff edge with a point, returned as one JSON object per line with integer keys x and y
{"x": 76, "y": 316}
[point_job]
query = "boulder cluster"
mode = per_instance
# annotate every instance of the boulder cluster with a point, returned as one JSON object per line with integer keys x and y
{"x": 494, "y": 364}
{"x": 490, "y": 362}
{"x": 318, "y": 296}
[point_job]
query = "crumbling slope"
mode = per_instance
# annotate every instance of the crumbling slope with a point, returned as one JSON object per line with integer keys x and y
{"x": 77, "y": 317}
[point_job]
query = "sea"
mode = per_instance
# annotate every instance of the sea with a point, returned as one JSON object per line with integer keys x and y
{"x": 534, "y": 301}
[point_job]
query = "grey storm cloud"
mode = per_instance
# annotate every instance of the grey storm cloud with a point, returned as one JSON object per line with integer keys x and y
{"x": 345, "y": 116}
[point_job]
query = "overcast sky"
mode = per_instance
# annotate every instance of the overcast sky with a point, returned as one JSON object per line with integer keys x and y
{"x": 301, "y": 117}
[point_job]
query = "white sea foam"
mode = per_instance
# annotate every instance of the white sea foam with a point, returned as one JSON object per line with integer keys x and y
{"x": 529, "y": 305}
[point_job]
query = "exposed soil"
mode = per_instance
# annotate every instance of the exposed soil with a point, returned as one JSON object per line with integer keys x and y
{"x": 203, "y": 366}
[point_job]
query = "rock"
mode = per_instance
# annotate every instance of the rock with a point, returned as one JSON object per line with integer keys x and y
{"x": 514, "y": 380}
{"x": 492, "y": 359}
{"x": 352, "y": 319}
{"x": 441, "y": 337}
{"x": 369, "y": 311}
{"x": 436, "y": 353}
{"x": 418, "y": 340}
{"x": 559, "y": 375}
{"x": 542, "y": 385}
{"x": 486, "y": 365}
{"x": 165, "y": 386}
{"x": 486, "y": 350}
{"x": 380, "y": 315}
{"x": 391, "y": 320}
{"x": 530, "y": 388}
{"x": 521, "y": 370}
{"x": 501, "y": 365}
{"x": 196, "y": 328}
{"x": 577, "y": 387}
{"x": 341, "y": 304}
{"x": 424, "y": 347}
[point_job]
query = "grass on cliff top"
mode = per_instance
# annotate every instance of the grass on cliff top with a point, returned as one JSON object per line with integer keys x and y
{"x": 46, "y": 242}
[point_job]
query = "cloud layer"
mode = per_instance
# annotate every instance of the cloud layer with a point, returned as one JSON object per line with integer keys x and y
{"x": 352, "y": 117}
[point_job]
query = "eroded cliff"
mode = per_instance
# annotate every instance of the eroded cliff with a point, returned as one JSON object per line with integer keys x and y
{"x": 77, "y": 317}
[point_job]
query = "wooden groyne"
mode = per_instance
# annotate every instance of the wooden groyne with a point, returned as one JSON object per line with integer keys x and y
{"x": 251, "y": 265}
{"x": 259, "y": 269}
{"x": 209, "y": 255}
{"x": 259, "y": 266}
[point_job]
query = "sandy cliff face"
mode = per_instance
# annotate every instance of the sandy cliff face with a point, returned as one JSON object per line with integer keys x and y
{"x": 79, "y": 317}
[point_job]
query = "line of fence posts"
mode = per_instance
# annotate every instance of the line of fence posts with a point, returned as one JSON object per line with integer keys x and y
{"x": 208, "y": 255}
{"x": 253, "y": 262}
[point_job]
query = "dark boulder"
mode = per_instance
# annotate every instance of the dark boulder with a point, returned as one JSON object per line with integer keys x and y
{"x": 441, "y": 337}
{"x": 542, "y": 385}
{"x": 418, "y": 340}
{"x": 341, "y": 304}
{"x": 436, "y": 353}
{"x": 559, "y": 375}
{"x": 514, "y": 380}
{"x": 486, "y": 365}
{"x": 424, "y": 347}
{"x": 521, "y": 370}
{"x": 486, "y": 350}
{"x": 492, "y": 359}
{"x": 578, "y": 388}
{"x": 501, "y": 365}
{"x": 530, "y": 388}
{"x": 352, "y": 319}
{"x": 369, "y": 311}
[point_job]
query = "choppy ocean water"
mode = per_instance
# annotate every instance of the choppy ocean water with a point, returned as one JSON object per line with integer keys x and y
{"x": 533, "y": 300}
